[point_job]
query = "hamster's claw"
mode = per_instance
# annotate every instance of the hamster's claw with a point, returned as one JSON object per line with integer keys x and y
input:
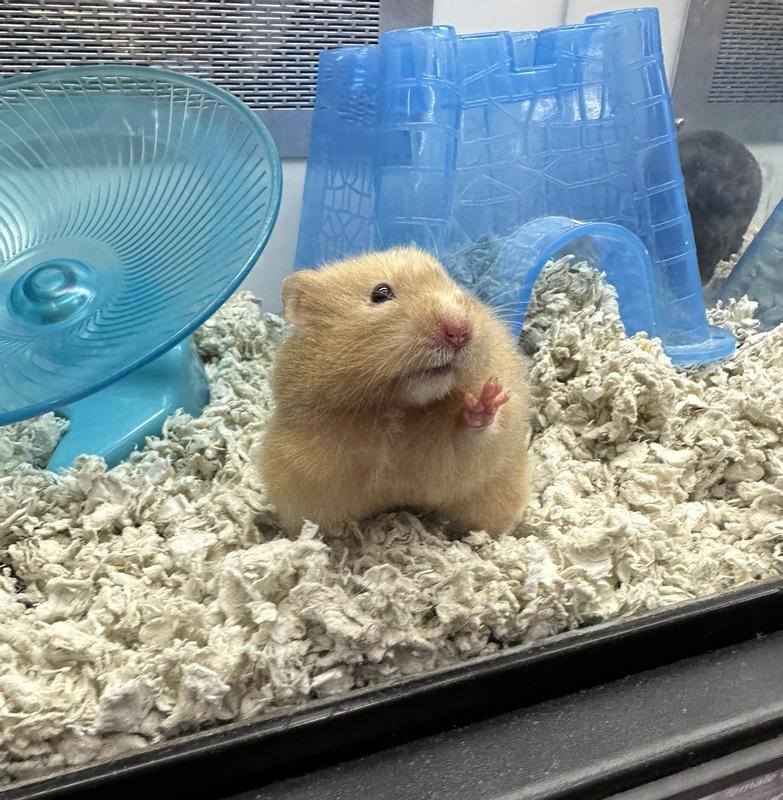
{"x": 479, "y": 412}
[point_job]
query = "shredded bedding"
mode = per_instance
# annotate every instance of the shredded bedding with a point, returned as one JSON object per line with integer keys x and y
{"x": 159, "y": 597}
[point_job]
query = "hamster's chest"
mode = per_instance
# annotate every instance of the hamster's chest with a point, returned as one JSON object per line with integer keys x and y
{"x": 402, "y": 429}
{"x": 399, "y": 443}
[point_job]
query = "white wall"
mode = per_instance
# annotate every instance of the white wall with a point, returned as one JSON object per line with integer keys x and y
{"x": 672, "y": 14}
{"x": 278, "y": 257}
{"x": 467, "y": 16}
{"x": 474, "y": 16}
{"x": 478, "y": 16}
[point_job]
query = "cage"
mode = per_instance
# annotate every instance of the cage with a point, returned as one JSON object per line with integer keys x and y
{"x": 198, "y": 707}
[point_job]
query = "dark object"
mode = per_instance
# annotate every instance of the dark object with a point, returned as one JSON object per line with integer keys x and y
{"x": 381, "y": 293}
{"x": 238, "y": 757}
{"x": 8, "y": 569}
{"x": 723, "y": 187}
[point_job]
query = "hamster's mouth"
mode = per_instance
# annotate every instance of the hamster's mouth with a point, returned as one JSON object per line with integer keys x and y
{"x": 444, "y": 372}
{"x": 434, "y": 372}
{"x": 427, "y": 385}
{"x": 428, "y": 373}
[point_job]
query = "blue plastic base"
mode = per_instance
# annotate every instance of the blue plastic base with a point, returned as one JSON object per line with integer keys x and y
{"x": 113, "y": 422}
{"x": 719, "y": 344}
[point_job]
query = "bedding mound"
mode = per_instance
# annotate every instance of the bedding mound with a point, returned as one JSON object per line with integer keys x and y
{"x": 156, "y": 598}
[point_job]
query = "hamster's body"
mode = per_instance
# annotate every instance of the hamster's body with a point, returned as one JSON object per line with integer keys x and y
{"x": 411, "y": 397}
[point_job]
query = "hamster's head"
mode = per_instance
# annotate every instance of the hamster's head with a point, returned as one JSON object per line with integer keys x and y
{"x": 388, "y": 328}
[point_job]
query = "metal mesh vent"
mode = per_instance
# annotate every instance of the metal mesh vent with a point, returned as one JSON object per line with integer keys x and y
{"x": 749, "y": 68}
{"x": 265, "y": 53}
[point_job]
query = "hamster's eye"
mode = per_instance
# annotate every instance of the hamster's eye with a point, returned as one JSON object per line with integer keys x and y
{"x": 381, "y": 293}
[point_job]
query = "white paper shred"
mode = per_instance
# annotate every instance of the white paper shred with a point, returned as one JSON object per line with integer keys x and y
{"x": 159, "y": 597}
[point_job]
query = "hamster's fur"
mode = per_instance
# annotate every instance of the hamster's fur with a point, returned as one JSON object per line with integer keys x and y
{"x": 395, "y": 389}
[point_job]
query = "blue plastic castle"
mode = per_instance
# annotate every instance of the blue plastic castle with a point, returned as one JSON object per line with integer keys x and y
{"x": 498, "y": 151}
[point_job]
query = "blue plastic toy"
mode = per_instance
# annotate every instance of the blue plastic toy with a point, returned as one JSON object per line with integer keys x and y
{"x": 458, "y": 142}
{"x": 759, "y": 273}
{"x": 133, "y": 202}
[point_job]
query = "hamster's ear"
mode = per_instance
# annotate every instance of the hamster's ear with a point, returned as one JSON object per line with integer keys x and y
{"x": 299, "y": 296}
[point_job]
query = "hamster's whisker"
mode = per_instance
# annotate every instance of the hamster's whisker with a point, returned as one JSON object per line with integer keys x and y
{"x": 498, "y": 296}
{"x": 506, "y": 312}
{"x": 508, "y": 304}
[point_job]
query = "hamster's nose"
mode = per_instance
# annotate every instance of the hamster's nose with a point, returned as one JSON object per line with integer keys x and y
{"x": 455, "y": 331}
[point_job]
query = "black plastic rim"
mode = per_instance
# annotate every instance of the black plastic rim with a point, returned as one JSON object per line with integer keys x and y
{"x": 236, "y": 757}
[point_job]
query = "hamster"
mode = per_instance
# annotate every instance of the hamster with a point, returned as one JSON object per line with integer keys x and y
{"x": 396, "y": 389}
{"x": 723, "y": 188}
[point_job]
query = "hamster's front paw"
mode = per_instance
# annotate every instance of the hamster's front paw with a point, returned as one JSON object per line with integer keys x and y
{"x": 479, "y": 412}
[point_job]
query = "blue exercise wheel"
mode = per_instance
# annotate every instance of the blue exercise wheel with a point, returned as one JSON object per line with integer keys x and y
{"x": 133, "y": 201}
